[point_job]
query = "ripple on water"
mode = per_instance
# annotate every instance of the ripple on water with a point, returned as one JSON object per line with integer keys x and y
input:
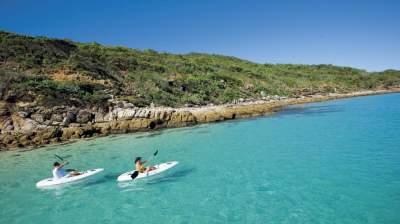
{"x": 342, "y": 167}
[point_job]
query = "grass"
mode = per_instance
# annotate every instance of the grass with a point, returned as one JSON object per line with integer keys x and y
{"x": 142, "y": 77}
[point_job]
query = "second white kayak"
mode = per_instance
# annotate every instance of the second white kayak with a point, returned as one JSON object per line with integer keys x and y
{"x": 68, "y": 179}
{"x": 158, "y": 169}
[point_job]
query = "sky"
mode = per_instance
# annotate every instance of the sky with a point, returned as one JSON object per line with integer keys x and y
{"x": 358, "y": 33}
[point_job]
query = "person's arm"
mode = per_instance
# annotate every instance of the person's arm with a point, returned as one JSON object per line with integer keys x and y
{"x": 63, "y": 164}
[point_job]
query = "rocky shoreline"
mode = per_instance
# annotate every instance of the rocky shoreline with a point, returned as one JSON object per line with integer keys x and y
{"x": 34, "y": 127}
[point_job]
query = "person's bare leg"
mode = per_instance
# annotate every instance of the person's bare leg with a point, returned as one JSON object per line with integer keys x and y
{"x": 151, "y": 168}
{"x": 74, "y": 173}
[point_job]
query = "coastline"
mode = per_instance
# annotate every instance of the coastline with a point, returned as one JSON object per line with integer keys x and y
{"x": 127, "y": 119}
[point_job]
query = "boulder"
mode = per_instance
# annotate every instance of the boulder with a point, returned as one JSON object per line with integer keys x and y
{"x": 127, "y": 105}
{"x": 49, "y": 133}
{"x": 29, "y": 127}
{"x": 84, "y": 117}
{"x": 24, "y": 125}
{"x": 69, "y": 118}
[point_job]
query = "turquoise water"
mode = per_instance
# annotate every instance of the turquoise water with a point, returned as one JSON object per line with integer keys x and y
{"x": 331, "y": 162}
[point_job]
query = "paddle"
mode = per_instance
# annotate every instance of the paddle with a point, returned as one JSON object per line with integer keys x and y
{"x": 59, "y": 157}
{"x": 152, "y": 157}
{"x": 66, "y": 163}
{"x": 136, "y": 173}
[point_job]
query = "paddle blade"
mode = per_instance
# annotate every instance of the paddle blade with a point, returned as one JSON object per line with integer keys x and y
{"x": 59, "y": 157}
{"x": 134, "y": 174}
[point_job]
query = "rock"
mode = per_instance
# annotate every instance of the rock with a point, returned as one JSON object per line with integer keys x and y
{"x": 8, "y": 128}
{"x": 69, "y": 118}
{"x": 23, "y": 114}
{"x": 24, "y": 125}
{"x": 29, "y": 127}
{"x": 127, "y": 105}
{"x": 71, "y": 132}
{"x": 147, "y": 114}
{"x": 55, "y": 123}
{"x": 57, "y": 118}
{"x": 38, "y": 117}
{"x": 10, "y": 97}
{"x": 74, "y": 125}
{"x": 24, "y": 140}
{"x": 6, "y": 125}
{"x": 49, "y": 133}
{"x": 84, "y": 117}
{"x": 126, "y": 114}
{"x": 99, "y": 117}
{"x": 4, "y": 110}
{"x": 8, "y": 139}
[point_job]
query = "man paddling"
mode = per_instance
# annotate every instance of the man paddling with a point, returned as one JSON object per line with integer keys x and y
{"x": 59, "y": 171}
{"x": 139, "y": 165}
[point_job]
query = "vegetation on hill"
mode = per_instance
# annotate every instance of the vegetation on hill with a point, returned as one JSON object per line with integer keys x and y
{"x": 61, "y": 72}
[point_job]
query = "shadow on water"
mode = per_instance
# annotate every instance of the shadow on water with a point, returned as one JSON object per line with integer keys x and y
{"x": 58, "y": 145}
{"x": 171, "y": 177}
{"x": 187, "y": 129}
{"x": 115, "y": 137}
{"x": 106, "y": 178}
{"x": 112, "y": 176}
{"x": 203, "y": 132}
{"x": 310, "y": 110}
{"x": 98, "y": 181}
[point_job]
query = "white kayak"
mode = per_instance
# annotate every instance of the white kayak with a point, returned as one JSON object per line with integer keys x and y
{"x": 158, "y": 169}
{"x": 67, "y": 179}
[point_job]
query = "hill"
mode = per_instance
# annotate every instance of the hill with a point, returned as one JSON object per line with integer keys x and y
{"x": 40, "y": 71}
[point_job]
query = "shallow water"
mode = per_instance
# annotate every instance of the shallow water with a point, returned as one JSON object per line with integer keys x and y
{"x": 331, "y": 162}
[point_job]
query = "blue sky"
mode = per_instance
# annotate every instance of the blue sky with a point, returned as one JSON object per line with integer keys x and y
{"x": 359, "y": 33}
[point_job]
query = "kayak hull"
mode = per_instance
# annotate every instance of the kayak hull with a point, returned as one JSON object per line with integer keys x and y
{"x": 159, "y": 169}
{"x": 53, "y": 182}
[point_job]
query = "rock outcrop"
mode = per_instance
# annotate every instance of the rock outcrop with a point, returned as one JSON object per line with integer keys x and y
{"x": 39, "y": 126}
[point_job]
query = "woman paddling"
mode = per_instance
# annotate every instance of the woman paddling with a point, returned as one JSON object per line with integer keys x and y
{"x": 139, "y": 165}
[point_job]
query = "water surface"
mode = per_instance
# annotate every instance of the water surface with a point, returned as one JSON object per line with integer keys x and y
{"x": 331, "y": 162}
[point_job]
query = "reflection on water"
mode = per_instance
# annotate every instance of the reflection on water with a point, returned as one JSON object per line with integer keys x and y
{"x": 310, "y": 110}
{"x": 171, "y": 176}
{"x": 149, "y": 135}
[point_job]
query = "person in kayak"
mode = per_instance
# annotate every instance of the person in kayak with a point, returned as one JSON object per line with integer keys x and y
{"x": 139, "y": 165}
{"x": 59, "y": 171}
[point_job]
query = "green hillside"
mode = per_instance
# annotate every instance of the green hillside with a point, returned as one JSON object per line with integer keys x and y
{"x": 50, "y": 72}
